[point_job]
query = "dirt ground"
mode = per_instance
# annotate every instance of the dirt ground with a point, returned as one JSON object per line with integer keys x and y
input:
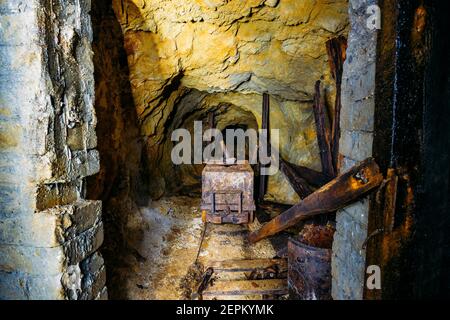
{"x": 171, "y": 240}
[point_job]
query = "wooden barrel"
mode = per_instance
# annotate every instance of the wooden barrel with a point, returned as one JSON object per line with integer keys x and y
{"x": 309, "y": 272}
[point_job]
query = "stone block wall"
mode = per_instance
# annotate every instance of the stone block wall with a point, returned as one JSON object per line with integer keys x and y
{"x": 49, "y": 234}
{"x": 357, "y": 120}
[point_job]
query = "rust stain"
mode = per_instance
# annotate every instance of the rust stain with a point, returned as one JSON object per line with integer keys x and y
{"x": 394, "y": 238}
{"x": 420, "y": 19}
{"x": 418, "y": 33}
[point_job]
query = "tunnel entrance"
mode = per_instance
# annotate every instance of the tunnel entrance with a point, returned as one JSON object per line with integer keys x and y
{"x": 163, "y": 72}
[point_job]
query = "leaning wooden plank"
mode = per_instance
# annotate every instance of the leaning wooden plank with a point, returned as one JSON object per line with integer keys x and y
{"x": 323, "y": 133}
{"x": 336, "y": 49}
{"x": 333, "y": 196}
{"x": 300, "y": 185}
{"x": 247, "y": 265}
{"x": 265, "y": 126}
{"x": 247, "y": 287}
{"x": 313, "y": 178}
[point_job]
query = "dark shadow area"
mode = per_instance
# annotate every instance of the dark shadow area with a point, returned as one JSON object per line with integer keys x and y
{"x": 412, "y": 136}
{"x": 121, "y": 182}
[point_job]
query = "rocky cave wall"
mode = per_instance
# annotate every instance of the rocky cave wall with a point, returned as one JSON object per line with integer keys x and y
{"x": 121, "y": 181}
{"x": 186, "y": 58}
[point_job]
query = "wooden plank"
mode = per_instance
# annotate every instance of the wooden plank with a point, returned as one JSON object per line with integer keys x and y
{"x": 211, "y": 120}
{"x": 336, "y": 49}
{"x": 333, "y": 196}
{"x": 300, "y": 185}
{"x": 247, "y": 287}
{"x": 312, "y": 177}
{"x": 247, "y": 265}
{"x": 294, "y": 175}
{"x": 323, "y": 133}
{"x": 265, "y": 125}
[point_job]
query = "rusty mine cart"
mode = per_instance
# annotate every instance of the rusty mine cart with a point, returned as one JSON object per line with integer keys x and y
{"x": 227, "y": 193}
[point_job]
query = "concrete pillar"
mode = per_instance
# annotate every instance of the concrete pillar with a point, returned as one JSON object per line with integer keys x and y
{"x": 357, "y": 120}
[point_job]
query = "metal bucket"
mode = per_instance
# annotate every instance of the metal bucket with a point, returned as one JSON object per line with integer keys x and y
{"x": 309, "y": 272}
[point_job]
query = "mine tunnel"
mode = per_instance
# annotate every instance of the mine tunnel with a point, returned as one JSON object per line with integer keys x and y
{"x": 93, "y": 205}
{"x": 215, "y": 63}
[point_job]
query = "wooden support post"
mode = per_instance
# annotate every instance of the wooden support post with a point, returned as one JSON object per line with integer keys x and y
{"x": 211, "y": 123}
{"x": 265, "y": 125}
{"x": 336, "y": 49}
{"x": 323, "y": 134}
{"x": 333, "y": 196}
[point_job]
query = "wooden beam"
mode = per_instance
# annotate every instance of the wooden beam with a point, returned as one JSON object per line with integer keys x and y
{"x": 265, "y": 125}
{"x": 336, "y": 49}
{"x": 302, "y": 179}
{"x": 333, "y": 196}
{"x": 247, "y": 265}
{"x": 211, "y": 120}
{"x": 300, "y": 185}
{"x": 247, "y": 288}
{"x": 312, "y": 177}
{"x": 323, "y": 133}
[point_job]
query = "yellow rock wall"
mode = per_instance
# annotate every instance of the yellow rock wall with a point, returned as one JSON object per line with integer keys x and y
{"x": 214, "y": 52}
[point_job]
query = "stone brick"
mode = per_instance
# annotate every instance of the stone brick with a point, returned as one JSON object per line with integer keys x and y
{"x": 81, "y": 137}
{"x": 56, "y": 194}
{"x": 16, "y": 6}
{"x": 92, "y": 284}
{"x": 18, "y": 28}
{"x": 358, "y": 115}
{"x": 356, "y": 145}
{"x": 359, "y": 211}
{"x": 51, "y": 227}
{"x": 92, "y": 264}
{"x": 103, "y": 295}
{"x": 78, "y": 165}
{"x": 14, "y": 200}
{"x": 87, "y": 163}
{"x": 71, "y": 284}
{"x": 20, "y": 286}
{"x": 51, "y": 260}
